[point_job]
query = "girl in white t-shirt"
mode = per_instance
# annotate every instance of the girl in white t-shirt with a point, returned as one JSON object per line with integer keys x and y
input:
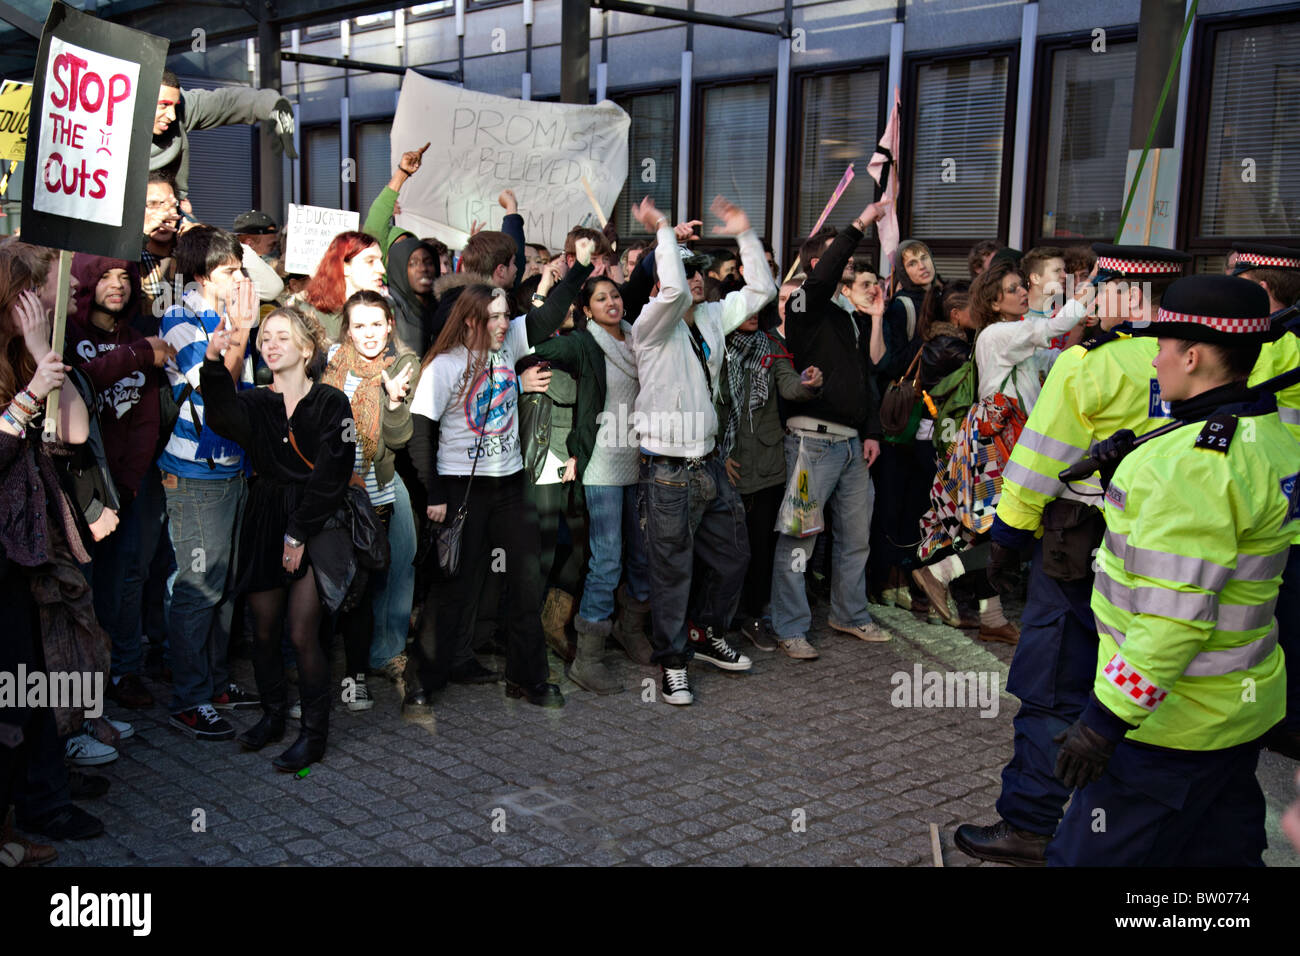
{"x": 465, "y": 447}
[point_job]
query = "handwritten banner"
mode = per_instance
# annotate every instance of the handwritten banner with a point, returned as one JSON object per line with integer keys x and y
{"x": 89, "y": 129}
{"x": 483, "y": 144}
{"x": 308, "y": 233}
{"x": 15, "y": 105}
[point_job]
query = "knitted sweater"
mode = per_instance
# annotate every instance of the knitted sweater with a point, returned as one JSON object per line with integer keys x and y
{"x": 614, "y": 461}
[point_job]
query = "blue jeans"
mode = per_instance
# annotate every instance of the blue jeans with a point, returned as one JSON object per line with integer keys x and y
{"x": 395, "y": 588}
{"x": 204, "y": 516}
{"x": 611, "y": 516}
{"x": 836, "y": 474}
{"x": 690, "y": 513}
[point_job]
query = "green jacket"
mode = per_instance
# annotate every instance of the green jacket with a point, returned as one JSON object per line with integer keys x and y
{"x": 579, "y": 351}
{"x": 379, "y": 220}
{"x": 760, "y": 446}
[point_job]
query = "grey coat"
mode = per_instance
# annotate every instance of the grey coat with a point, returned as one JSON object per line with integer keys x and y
{"x": 204, "y": 109}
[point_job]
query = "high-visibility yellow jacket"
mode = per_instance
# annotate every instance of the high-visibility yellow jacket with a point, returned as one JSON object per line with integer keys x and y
{"x": 1089, "y": 395}
{"x": 1274, "y": 359}
{"x": 1187, "y": 580}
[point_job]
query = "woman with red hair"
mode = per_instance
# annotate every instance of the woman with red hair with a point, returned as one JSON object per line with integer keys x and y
{"x": 352, "y": 262}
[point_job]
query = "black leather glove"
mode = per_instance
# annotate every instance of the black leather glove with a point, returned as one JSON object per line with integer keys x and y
{"x": 1109, "y": 453}
{"x": 1083, "y": 755}
{"x": 1004, "y": 569}
{"x": 282, "y": 134}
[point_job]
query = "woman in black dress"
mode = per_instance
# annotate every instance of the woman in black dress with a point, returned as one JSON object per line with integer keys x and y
{"x": 284, "y": 426}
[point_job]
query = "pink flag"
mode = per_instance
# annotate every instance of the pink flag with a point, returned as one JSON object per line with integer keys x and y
{"x": 887, "y": 157}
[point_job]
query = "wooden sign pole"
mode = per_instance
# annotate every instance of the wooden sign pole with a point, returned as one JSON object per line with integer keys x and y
{"x": 56, "y": 342}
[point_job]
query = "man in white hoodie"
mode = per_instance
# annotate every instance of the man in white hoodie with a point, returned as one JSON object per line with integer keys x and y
{"x": 688, "y": 508}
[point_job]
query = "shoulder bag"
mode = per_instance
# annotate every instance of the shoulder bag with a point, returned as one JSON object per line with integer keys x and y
{"x": 369, "y": 536}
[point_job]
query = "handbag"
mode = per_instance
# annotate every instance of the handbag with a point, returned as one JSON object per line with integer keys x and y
{"x": 448, "y": 537}
{"x": 535, "y": 410}
{"x": 357, "y": 514}
{"x": 898, "y": 407}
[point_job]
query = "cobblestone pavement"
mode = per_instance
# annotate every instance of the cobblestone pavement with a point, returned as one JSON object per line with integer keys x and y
{"x": 795, "y": 763}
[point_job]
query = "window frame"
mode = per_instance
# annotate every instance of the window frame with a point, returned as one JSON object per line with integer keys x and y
{"x": 695, "y": 198}
{"x": 912, "y": 64}
{"x": 305, "y": 167}
{"x": 1039, "y": 136}
{"x": 1196, "y": 140}
{"x": 794, "y": 164}
{"x": 354, "y": 153}
{"x": 675, "y": 89}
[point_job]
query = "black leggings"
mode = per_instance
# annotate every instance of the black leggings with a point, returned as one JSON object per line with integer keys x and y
{"x": 300, "y": 603}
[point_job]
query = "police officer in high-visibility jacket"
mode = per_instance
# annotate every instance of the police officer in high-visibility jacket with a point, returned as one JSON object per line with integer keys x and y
{"x": 1094, "y": 390}
{"x": 1277, "y": 270}
{"x": 1189, "y": 676}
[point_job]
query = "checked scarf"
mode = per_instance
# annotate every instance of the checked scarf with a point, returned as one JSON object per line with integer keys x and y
{"x": 746, "y": 352}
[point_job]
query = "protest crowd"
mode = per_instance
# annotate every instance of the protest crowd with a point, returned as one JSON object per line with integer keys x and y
{"x": 417, "y": 458}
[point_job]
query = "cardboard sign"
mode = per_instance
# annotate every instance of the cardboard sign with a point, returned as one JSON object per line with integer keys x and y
{"x": 92, "y": 110}
{"x": 483, "y": 144}
{"x": 15, "y": 105}
{"x": 309, "y": 230}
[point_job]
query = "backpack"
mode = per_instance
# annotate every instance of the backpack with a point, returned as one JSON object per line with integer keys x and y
{"x": 953, "y": 396}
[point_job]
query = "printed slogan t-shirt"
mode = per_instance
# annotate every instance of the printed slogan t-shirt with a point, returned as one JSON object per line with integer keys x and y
{"x": 486, "y": 409}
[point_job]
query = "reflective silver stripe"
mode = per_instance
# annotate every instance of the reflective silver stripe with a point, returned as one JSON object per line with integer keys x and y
{"x": 1195, "y": 571}
{"x": 1172, "y": 567}
{"x": 1289, "y": 416}
{"x": 1088, "y": 491}
{"x": 1246, "y": 617}
{"x": 1217, "y": 663}
{"x": 1025, "y": 478}
{"x": 1052, "y": 447}
{"x": 1163, "y": 602}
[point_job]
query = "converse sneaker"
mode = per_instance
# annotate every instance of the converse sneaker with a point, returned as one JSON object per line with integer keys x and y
{"x": 870, "y": 632}
{"x": 203, "y": 723}
{"x": 124, "y": 730}
{"x": 361, "y": 699}
{"x": 712, "y": 647}
{"x": 84, "y": 750}
{"x": 677, "y": 686}
{"x": 235, "y": 697}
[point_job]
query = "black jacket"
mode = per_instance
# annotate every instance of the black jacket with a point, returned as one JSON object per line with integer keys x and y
{"x": 947, "y": 347}
{"x": 823, "y": 334}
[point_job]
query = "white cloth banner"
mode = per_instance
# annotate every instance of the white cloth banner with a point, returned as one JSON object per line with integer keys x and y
{"x": 89, "y": 100}
{"x": 483, "y": 144}
{"x": 308, "y": 233}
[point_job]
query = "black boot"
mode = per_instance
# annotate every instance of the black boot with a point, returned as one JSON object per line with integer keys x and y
{"x": 310, "y": 745}
{"x": 1002, "y": 843}
{"x": 268, "y": 671}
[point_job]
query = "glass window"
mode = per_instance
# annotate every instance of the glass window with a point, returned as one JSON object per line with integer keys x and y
{"x": 1091, "y": 102}
{"x": 960, "y": 114}
{"x": 430, "y": 9}
{"x": 841, "y": 125}
{"x": 1251, "y": 183}
{"x": 372, "y": 20}
{"x": 374, "y": 168}
{"x": 651, "y": 158}
{"x": 324, "y": 168}
{"x": 736, "y": 151}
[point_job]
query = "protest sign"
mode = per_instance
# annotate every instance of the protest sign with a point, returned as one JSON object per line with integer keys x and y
{"x": 87, "y": 159}
{"x": 308, "y": 234}
{"x": 483, "y": 144}
{"x": 15, "y": 105}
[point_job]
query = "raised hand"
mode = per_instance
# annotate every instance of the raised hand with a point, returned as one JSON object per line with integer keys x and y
{"x": 509, "y": 202}
{"x": 398, "y": 385}
{"x": 686, "y": 230}
{"x": 219, "y": 341}
{"x": 411, "y": 160}
{"x": 243, "y": 307}
{"x": 50, "y": 372}
{"x": 34, "y": 324}
{"x": 583, "y": 249}
{"x": 734, "y": 220}
{"x": 645, "y": 213}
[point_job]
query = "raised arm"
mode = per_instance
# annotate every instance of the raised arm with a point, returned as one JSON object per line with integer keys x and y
{"x": 513, "y": 226}
{"x": 544, "y": 320}
{"x": 379, "y": 220}
{"x": 759, "y": 288}
{"x": 662, "y": 313}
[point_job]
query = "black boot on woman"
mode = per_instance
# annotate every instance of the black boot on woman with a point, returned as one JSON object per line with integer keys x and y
{"x": 268, "y": 670}
{"x": 310, "y": 745}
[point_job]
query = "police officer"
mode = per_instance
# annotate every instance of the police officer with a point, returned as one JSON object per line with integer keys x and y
{"x": 1277, "y": 270}
{"x": 1189, "y": 676}
{"x": 1094, "y": 389}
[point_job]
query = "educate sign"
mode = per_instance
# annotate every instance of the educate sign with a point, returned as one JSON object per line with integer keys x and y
{"x": 15, "y": 106}
{"x": 91, "y": 121}
{"x": 308, "y": 234}
{"x": 483, "y": 144}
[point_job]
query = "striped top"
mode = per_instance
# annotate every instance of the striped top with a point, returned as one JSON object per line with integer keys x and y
{"x": 379, "y": 494}
{"x": 187, "y": 328}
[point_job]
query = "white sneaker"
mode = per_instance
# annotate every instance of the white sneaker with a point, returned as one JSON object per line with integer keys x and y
{"x": 124, "y": 730}
{"x": 362, "y": 699}
{"x": 870, "y": 632}
{"x": 677, "y": 686}
{"x": 295, "y": 712}
{"x": 83, "y": 750}
{"x": 799, "y": 649}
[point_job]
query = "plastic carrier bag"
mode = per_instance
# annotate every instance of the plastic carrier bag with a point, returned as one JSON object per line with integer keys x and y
{"x": 801, "y": 514}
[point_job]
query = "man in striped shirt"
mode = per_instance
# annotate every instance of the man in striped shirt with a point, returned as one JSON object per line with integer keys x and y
{"x": 203, "y": 478}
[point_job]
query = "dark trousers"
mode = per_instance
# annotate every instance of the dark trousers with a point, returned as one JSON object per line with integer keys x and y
{"x": 1158, "y": 807}
{"x": 500, "y": 537}
{"x": 562, "y": 525}
{"x": 902, "y": 475}
{"x": 760, "y": 521}
{"x": 1052, "y": 673}
{"x": 690, "y": 513}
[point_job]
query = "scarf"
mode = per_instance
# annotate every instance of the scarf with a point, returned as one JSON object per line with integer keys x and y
{"x": 745, "y": 354}
{"x": 619, "y": 354}
{"x": 368, "y": 399}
